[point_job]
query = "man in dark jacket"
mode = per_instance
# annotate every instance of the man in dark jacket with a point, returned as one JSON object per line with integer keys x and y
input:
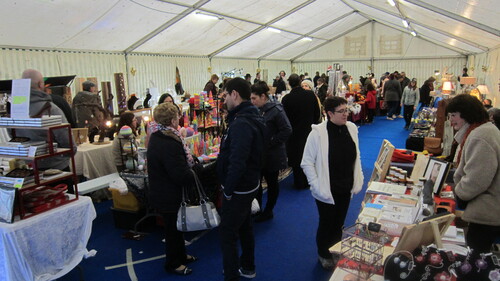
{"x": 88, "y": 110}
{"x": 302, "y": 110}
{"x": 280, "y": 83}
{"x": 322, "y": 90}
{"x": 238, "y": 168}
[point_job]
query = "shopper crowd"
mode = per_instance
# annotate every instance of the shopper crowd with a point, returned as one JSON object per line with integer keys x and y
{"x": 308, "y": 130}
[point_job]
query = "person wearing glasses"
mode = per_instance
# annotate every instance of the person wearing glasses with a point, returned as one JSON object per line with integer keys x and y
{"x": 332, "y": 164}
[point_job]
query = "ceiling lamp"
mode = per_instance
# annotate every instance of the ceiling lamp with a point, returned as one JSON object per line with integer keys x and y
{"x": 405, "y": 23}
{"x": 209, "y": 16}
{"x": 275, "y": 30}
{"x": 307, "y": 39}
{"x": 391, "y": 2}
{"x": 413, "y": 33}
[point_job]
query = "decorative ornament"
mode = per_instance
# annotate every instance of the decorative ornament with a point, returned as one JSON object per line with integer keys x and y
{"x": 209, "y": 69}
{"x": 133, "y": 71}
{"x": 494, "y": 275}
{"x": 435, "y": 259}
{"x": 443, "y": 276}
{"x": 484, "y": 68}
{"x": 481, "y": 263}
{"x": 465, "y": 268}
{"x": 257, "y": 70}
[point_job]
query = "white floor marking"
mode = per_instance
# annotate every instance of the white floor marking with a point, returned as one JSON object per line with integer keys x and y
{"x": 130, "y": 266}
{"x": 134, "y": 262}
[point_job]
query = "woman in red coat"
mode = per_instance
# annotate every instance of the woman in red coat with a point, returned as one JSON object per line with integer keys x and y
{"x": 371, "y": 101}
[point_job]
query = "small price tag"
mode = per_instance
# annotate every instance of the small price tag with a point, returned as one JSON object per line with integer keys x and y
{"x": 18, "y": 182}
{"x": 32, "y": 151}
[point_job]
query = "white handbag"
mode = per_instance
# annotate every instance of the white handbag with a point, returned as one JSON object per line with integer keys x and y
{"x": 197, "y": 217}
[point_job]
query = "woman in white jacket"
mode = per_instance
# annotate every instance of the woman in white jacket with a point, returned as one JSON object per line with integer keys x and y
{"x": 332, "y": 164}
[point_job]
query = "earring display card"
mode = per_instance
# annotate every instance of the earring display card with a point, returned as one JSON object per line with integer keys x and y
{"x": 7, "y": 198}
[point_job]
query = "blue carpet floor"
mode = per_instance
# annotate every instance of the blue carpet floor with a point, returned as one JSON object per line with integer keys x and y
{"x": 285, "y": 246}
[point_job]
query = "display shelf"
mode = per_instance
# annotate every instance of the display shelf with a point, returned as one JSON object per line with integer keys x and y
{"x": 46, "y": 181}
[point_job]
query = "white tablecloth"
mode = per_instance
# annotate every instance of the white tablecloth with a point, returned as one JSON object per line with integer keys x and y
{"x": 93, "y": 161}
{"x": 48, "y": 245}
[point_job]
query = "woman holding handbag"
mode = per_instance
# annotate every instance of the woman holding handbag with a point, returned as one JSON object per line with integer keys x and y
{"x": 169, "y": 169}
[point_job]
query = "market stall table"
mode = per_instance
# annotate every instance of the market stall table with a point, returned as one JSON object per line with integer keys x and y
{"x": 93, "y": 161}
{"x": 46, "y": 246}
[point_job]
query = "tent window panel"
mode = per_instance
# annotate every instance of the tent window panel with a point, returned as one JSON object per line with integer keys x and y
{"x": 355, "y": 46}
{"x": 391, "y": 45}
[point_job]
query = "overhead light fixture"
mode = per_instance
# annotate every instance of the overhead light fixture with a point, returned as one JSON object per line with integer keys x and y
{"x": 307, "y": 39}
{"x": 405, "y": 23}
{"x": 436, "y": 72}
{"x": 391, "y": 2}
{"x": 275, "y": 30}
{"x": 413, "y": 33}
{"x": 209, "y": 16}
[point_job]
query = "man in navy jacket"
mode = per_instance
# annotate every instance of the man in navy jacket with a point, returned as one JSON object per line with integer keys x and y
{"x": 238, "y": 168}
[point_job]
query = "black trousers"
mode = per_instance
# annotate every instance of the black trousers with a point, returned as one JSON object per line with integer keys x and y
{"x": 175, "y": 248}
{"x": 299, "y": 178}
{"x": 480, "y": 237}
{"x": 371, "y": 113}
{"x": 408, "y": 114}
{"x": 236, "y": 222}
{"x": 273, "y": 190}
{"x": 331, "y": 222}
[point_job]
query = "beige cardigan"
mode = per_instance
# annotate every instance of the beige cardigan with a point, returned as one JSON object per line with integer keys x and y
{"x": 477, "y": 178}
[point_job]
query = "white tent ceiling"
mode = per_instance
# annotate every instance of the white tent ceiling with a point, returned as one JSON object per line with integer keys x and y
{"x": 241, "y": 30}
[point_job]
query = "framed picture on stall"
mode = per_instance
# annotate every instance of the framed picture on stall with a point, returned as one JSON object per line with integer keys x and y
{"x": 435, "y": 173}
{"x": 381, "y": 165}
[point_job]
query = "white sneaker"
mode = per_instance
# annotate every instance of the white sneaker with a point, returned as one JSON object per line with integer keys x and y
{"x": 400, "y": 116}
{"x": 394, "y": 116}
{"x": 247, "y": 273}
{"x": 389, "y": 118}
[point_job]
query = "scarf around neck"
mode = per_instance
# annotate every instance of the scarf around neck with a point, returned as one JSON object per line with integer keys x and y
{"x": 168, "y": 131}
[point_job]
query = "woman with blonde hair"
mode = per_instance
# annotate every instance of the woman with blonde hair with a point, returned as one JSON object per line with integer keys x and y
{"x": 169, "y": 169}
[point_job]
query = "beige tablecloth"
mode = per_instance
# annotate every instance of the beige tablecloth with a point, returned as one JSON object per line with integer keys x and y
{"x": 93, "y": 161}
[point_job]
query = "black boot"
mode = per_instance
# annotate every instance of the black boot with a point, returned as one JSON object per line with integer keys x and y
{"x": 264, "y": 216}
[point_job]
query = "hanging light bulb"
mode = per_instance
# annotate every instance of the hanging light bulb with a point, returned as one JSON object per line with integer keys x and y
{"x": 413, "y": 33}
{"x": 391, "y": 2}
{"x": 307, "y": 39}
{"x": 405, "y": 23}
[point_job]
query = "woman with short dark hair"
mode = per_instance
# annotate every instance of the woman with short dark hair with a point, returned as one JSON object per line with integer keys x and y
{"x": 332, "y": 164}
{"x": 477, "y": 178}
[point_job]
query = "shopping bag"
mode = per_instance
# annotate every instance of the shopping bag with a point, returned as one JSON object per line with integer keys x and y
{"x": 200, "y": 216}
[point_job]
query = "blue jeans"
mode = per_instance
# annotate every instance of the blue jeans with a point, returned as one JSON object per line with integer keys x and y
{"x": 236, "y": 222}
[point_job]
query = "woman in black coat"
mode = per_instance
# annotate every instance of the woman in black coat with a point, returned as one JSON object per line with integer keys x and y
{"x": 277, "y": 133}
{"x": 169, "y": 169}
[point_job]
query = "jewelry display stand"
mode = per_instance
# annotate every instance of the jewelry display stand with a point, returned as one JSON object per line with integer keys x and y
{"x": 362, "y": 251}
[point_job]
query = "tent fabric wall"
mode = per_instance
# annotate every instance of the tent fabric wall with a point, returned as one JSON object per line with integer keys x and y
{"x": 158, "y": 71}
{"x": 486, "y": 68}
{"x": 60, "y": 63}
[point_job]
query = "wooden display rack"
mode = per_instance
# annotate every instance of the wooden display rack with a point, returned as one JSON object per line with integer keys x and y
{"x": 383, "y": 162}
{"x": 38, "y": 182}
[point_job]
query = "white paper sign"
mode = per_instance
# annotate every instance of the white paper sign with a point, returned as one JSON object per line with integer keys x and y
{"x": 32, "y": 151}
{"x": 20, "y": 107}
